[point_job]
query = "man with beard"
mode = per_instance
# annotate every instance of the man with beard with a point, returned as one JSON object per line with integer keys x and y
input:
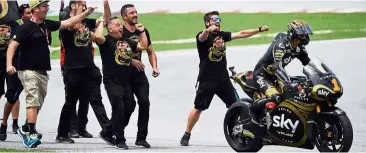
{"x": 82, "y": 77}
{"x": 117, "y": 64}
{"x": 213, "y": 77}
{"x": 14, "y": 87}
{"x": 140, "y": 83}
{"x": 78, "y": 122}
{"x": 34, "y": 61}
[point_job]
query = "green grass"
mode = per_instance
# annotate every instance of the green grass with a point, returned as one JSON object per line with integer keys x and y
{"x": 183, "y": 26}
{"x": 18, "y": 150}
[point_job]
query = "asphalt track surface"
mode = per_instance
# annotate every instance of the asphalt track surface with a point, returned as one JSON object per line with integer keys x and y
{"x": 173, "y": 92}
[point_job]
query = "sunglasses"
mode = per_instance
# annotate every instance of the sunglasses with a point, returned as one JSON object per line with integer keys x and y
{"x": 216, "y": 19}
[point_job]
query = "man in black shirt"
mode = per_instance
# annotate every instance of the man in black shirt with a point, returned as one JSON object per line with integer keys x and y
{"x": 14, "y": 87}
{"x": 117, "y": 64}
{"x": 25, "y": 14}
{"x": 213, "y": 77}
{"x": 140, "y": 83}
{"x": 77, "y": 121}
{"x": 34, "y": 61}
{"x": 82, "y": 77}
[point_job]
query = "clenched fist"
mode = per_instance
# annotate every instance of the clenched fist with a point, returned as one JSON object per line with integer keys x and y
{"x": 264, "y": 28}
{"x": 140, "y": 27}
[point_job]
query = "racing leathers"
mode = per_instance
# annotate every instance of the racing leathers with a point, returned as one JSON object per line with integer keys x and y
{"x": 271, "y": 67}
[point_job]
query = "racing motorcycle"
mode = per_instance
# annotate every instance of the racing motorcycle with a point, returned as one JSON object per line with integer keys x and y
{"x": 305, "y": 118}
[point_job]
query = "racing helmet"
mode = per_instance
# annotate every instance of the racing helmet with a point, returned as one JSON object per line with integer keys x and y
{"x": 298, "y": 32}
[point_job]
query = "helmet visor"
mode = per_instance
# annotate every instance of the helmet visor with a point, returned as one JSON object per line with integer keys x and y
{"x": 304, "y": 30}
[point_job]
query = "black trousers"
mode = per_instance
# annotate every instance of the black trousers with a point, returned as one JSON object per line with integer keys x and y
{"x": 83, "y": 84}
{"x": 140, "y": 88}
{"x": 121, "y": 99}
{"x": 79, "y": 119}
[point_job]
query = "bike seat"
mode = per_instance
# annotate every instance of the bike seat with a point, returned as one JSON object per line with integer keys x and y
{"x": 248, "y": 79}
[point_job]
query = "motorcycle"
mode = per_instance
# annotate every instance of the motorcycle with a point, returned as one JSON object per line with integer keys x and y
{"x": 304, "y": 118}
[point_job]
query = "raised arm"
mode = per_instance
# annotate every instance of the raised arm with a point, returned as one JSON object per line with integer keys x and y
{"x": 143, "y": 44}
{"x": 107, "y": 10}
{"x": 248, "y": 33}
{"x": 203, "y": 36}
{"x": 98, "y": 36}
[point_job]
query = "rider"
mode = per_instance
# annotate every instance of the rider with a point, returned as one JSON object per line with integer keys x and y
{"x": 271, "y": 66}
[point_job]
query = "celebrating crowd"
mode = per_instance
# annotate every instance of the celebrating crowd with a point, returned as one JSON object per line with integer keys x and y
{"x": 25, "y": 62}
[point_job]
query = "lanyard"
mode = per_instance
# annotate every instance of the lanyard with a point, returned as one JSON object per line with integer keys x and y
{"x": 44, "y": 32}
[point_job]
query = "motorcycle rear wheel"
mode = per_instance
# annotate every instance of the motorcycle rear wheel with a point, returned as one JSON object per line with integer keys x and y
{"x": 239, "y": 142}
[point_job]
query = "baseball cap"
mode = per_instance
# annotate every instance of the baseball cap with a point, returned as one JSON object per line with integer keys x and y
{"x": 35, "y": 3}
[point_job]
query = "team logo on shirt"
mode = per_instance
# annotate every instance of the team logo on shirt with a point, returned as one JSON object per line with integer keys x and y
{"x": 123, "y": 53}
{"x": 136, "y": 55}
{"x": 217, "y": 51}
{"x": 5, "y": 32}
{"x": 82, "y": 36}
{"x": 135, "y": 38}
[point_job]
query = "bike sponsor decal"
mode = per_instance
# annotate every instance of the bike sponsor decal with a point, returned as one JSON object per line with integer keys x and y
{"x": 323, "y": 92}
{"x": 302, "y": 97}
{"x": 281, "y": 121}
{"x": 327, "y": 76}
{"x": 286, "y": 125}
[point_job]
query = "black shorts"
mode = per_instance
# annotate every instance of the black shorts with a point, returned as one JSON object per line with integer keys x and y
{"x": 13, "y": 85}
{"x": 2, "y": 82}
{"x": 208, "y": 88}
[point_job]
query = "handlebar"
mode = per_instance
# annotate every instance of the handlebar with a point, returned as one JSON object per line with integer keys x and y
{"x": 233, "y": 72}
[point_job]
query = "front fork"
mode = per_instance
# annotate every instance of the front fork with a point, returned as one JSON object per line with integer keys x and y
{"x": 322, "y": 121}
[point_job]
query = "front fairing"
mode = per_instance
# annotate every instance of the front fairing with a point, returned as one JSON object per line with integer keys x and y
{"x": 326, "y": 85}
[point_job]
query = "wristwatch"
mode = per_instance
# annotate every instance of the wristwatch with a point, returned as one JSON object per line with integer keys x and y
{"x": 260, "y": 29}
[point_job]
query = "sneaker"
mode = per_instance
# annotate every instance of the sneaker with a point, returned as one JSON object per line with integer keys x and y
{"x": 142, "y": 143}
{"x": 23, "y": 136}
{"x": 15, "y": 128}
{"x": 64, "y": 140}
{"x": 3, "y": 132}
{"x": 33, "y": 141}
{"x": 108, "y": 139}
{"x": 185, "y": 139}
{"x": 26, "y": 129}
{"x": 85, "y": 134}
{"x": 29, "y": 141}
{"x": 121, "y": 145}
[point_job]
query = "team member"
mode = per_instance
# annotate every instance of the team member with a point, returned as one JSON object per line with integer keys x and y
{"x": 213, "y": 77}
{"x": 82, "y": 77}
{"x": 79, "y": 120}
{"x": 116, "y": 60}
{"x": 14, "y": 87}
{"x": 140, "y": 83}
{"x": 9, "y": 30}
{"x": 34, "y": 61}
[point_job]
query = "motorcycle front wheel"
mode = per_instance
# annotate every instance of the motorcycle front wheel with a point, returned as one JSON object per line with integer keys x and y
{"x": 334, "y": 135}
